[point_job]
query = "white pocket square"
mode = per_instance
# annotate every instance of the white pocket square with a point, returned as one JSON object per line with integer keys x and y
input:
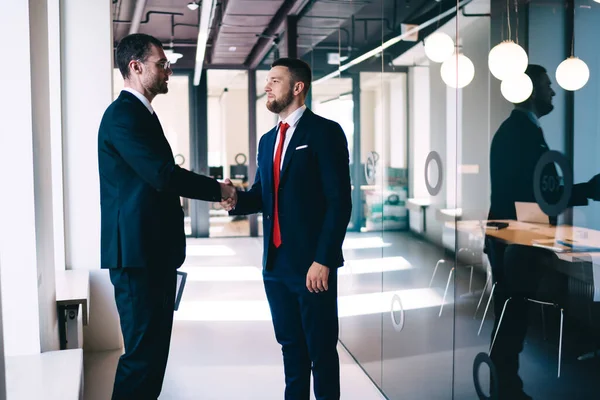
{"x": 301, "y": 147}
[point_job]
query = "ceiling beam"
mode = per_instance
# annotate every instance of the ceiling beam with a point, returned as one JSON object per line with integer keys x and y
{"x": 140, "y": 6}
{"x": 206, "y": 16}
{"x": 219, "y": 15}
{"x": 275, "y": 27}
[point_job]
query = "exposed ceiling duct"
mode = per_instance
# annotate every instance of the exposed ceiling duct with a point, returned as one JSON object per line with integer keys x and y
{"x": 140, "y": 6}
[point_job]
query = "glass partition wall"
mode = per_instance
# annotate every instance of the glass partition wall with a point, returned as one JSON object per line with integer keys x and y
{"x": 472, "y": 250}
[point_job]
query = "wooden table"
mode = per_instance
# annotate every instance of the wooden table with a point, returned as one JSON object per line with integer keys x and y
{"x": 544, "y": 236}
{"x": 539, "y": 235}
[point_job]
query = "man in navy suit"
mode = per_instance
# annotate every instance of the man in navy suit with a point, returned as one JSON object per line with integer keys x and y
{"x": 142, "y": 230}
{"x": 521, "y": 272}
{"x": 302, "y": 187}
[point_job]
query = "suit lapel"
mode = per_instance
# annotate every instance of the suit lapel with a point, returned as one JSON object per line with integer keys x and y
{"x": 268, "y": 158}
{"x": 297, "y": 138}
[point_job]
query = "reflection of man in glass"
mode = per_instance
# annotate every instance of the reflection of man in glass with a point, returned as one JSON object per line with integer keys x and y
{"x": 517, "y": 270}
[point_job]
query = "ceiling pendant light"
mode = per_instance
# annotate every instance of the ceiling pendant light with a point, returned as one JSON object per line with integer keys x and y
{"x": 517, "y": 88}
{"x": 172, "y": 56}
{"x": 572, "y": 74}
{"x": 507, "y": 59}
{"x": 457, "y": 71}
{"x": 439, "y": 47}
{"x": 193, "y": 5}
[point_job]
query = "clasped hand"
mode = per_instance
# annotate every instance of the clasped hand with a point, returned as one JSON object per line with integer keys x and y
{"x": 228, "y": 195}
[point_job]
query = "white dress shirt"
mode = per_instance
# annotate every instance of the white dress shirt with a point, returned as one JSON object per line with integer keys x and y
{"x": 292, "y": 120}
{"x": 141, "y": 98}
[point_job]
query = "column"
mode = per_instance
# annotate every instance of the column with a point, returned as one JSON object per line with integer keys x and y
{"x": 87, "y": 65}
{"x": 26, "y": 232}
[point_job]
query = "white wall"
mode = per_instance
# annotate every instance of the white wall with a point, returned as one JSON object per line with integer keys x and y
{"x": 55, "y": 104}
{"x": 18, "y": 251}
{"x": 234, "y": 105}
{"x": 87, "y": 86}
{"x": 398, "y": 118}
{"x": 475, "y": 132}
{"x": 228, "y": 126}
{"x": 368, "y": 99}
{"x": 419, "y": 131}
{"x": 43, "y": 176}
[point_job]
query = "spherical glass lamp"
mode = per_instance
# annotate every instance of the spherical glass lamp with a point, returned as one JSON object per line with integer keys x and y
{"x": 439, "y": 47}
{"x": 572, "y": 74}
{"x": 507, "y": 59}
{"x": 517, "y": 88}
{"x": 457, "y": 71}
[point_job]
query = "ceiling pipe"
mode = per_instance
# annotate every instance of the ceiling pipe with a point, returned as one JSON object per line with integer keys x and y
{"x": 140, "y": 5}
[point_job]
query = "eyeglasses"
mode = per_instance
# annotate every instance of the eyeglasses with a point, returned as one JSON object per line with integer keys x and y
{"x": 164, "y": 65}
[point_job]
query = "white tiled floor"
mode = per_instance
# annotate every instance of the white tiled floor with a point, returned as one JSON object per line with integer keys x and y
{"x": 222, "y": 358}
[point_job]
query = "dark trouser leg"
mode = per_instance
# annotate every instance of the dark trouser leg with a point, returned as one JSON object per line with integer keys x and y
{"x": 518, "y": 271}
{"x": 505, "y": 354}
{"x": 285, "y": 311}
{"x": 320, "y": 322}
{"x": 145, "y": 299}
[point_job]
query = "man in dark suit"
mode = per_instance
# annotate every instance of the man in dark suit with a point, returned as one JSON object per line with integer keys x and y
{"x": 302, "y": 187}
{"x": 142, "y": 229}
{"x": 518, "y": 270}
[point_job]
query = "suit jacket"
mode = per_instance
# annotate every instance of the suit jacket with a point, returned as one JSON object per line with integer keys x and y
{"x": 141, "y": 216}
{"x": 516, "y": 148}
{"x": 314, "y": 193}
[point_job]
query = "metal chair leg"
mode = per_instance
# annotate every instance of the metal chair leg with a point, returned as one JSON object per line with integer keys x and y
{"x": 560, "y": 340}
{"x": 471, "y": 281}
{"x": 435, "y": 270}
{"x": 446, "y": 292}
{"x": 486, "y": 308}
{"x": 499, "y": 324}
{"x": 487, "y": 282}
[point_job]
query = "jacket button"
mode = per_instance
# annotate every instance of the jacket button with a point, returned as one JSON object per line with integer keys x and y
{"x": 268, "y": 217}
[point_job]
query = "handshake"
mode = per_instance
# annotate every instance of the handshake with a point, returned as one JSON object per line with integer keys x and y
{"x": 228, "y": 195}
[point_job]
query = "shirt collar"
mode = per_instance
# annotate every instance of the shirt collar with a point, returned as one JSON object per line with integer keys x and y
{"x": 141, "y": 98}
{"x": 293, "y": 118}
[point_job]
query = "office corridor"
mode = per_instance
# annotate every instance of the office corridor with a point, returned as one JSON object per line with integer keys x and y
{"x": 223, "y": 346}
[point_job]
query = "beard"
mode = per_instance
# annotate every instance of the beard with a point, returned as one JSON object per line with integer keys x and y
{"x": 544, "y": 107}
{"x": 157, "y": 86}
{"x": 160, "y": 87}
{"x": 276, "y": 106}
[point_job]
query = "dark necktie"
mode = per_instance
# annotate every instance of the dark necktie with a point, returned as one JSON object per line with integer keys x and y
{"x": 283, "y": 127}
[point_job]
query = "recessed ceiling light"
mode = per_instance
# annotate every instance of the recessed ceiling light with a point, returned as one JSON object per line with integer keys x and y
{"x": 232, "y": 48}
{"x": 193, "y": 5}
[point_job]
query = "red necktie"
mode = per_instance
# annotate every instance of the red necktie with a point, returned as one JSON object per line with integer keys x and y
{"x": 283, "y": 127}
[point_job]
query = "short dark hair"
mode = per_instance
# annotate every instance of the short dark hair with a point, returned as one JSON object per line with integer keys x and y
{"x": 299, "y": 70}
{"x": 136, "y": 46}
{"x": 535, "y": 73}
